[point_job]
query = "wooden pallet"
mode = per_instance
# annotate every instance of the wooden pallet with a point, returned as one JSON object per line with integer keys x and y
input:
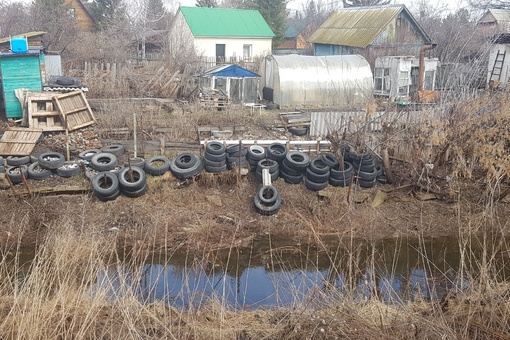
{"x": 214, "y": 102}
{"x": 42, "y": 114}
{"x": 74, "y": 110}
{"x": 19, "y": 141}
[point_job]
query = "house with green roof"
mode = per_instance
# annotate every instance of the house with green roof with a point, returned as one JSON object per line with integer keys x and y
{"x": 229, "y": 35}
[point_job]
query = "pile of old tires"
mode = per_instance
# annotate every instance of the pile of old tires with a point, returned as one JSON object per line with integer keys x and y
{"x": 366, "y": 168}
{"x": 254, "y": 155}
{"x": 276, "y": 152}
{"x": 236, "y": 156}
{"x": 186, "y": 165}
{"x": 267, "y": 201}
{"x": 294, "y": 167}
{"x": 132, "y": 181}
{"x": 269, "y": 164}
{"x": 317, "y": 174}
{"x": 106, "y": 186}
{"x": 341, "y": 176}
{"x": 215, "y": 157}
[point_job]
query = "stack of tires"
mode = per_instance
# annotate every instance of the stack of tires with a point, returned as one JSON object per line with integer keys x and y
{"x": 106, "y": 186}
{"x": 277, "y": 152}
{"x": 255, "y": 154}
{"x": 15, "y": 166}
{"x": 215, "y": 157}
{"x": 364, "y": 165}
{"x": 294, "y": 167}
{"x": 158, "y": 165}
{"x": 317, "y": 174}
{"x": 46, "y": 163}
{"x": 101, "y": 162}
{"x": 341, "y": 177}
{"x": 271, "y": 165}
{"x": 236, "y": 157}
{"x": 267, "y": 201}
{"x": 186, "y": 165}
{"x": 133, "y": 182}
{"x": 68, "y": 169}
{"x": 87, "y": 155}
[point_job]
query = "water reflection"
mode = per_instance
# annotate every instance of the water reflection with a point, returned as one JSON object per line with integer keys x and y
{"x": 281, "y": 275}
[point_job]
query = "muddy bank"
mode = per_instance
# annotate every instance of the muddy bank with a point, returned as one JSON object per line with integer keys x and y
{"x": 217, "y": 212}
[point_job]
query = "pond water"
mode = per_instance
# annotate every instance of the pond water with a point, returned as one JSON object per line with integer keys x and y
{"x": 275, "y": 274}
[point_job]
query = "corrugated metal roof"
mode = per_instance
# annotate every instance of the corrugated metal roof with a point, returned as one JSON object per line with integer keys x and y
{"x": 28, "y": 35}
{"x": 226, "y": 22}
{"x": 499, "y": 15}
{"x": 358, "y": 26}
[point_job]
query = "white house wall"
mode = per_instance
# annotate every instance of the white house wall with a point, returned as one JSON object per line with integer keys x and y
{"x": 505, "y": 72}
{"x": 206, "y": 46}
{"x": 181, "y": 38}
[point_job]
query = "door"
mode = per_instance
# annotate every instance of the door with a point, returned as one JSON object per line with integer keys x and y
{"x": 220, "y": 53}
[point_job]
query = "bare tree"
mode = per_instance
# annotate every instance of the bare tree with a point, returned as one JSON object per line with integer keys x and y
{"x": 486, "y": 4}
{"x": 13, "y": 18}
{"x": 359, "y": 3}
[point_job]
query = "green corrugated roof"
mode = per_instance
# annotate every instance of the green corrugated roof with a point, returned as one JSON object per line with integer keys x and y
{"x": 359, "y": 26}
{"x": 226, "y": 22}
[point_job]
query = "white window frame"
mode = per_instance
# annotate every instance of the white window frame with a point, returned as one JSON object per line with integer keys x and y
{"x": 247, "y": 52}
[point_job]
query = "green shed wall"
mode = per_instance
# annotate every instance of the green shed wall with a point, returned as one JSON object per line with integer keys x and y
{"x": 19, "y": 72}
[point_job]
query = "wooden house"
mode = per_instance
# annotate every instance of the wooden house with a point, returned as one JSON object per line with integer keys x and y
{"x": 371, "y": 31}
{"x": 494, "y": 21}
{"x": 81, "y": 14}
{"x": 295, "y": 38}
{"x": 228, "y": 35}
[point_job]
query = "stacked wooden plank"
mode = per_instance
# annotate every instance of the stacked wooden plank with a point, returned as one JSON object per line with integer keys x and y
{"x": 19, "y": 141}
{"x": 212, "y": 98}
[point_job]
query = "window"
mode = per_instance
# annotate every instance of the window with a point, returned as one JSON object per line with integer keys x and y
{"x": 382, "y": 80}
{"x": 403, "y": 83}
{"x": 428, "y": 81}
{"x": 71, "y": 12}
{"x": 247, "y": 52}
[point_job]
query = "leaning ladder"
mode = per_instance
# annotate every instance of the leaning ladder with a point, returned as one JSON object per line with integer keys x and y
{"x": 497, "y": 67}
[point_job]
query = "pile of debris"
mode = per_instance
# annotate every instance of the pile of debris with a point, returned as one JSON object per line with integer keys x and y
{"x": 80, "y": 140}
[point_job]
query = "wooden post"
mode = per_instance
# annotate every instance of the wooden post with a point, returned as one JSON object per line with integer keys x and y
{"x": 134, "y": 134}
{"x": 11, "y": 185}
{"x": 239, "y": 160}
{"x": 25, "y": 182}
{"x": 387, "y": 166}
{"x": 68, "y": 153}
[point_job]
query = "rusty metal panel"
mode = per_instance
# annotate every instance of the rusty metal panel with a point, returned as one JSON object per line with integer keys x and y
{"x": 19, "y": 141}
{"x": 359, "y": 27}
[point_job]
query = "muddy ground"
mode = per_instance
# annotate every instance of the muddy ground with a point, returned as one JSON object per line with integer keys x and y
{"x": 216, "y": 211}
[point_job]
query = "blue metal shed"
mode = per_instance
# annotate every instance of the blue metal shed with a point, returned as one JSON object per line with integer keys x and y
{"x": 238, "y": 83}
{"x": 18, "y": 70}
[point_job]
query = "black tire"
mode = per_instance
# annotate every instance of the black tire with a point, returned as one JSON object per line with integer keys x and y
{"x": 340, "y": 182}
{"x": 186, "y": 173}
{"x": 272, "y": 107}
{"x": 14, "y": 173}
{"x": 17, "y": 160}
{"x": 267, "y": 210}
{"x": 69, "y": 169}
{"x": 256, "y": 153}
{"x": 284, "y": 167}
{"x": 315, "y": 177}
{"x": 366, "y": 184}
{"x": 51, "y": 160}
{"x": 330, "y": 160}
{"x": 268, "y": 194}
{"x": 105, "y": 184}
{"x": 359, "y": 156}
{"x": 291, "y": 179}
{"x": 37, "y": 172}
{"x": 215, "y": 169}
{"x": 103, "y": 162}
{"x": 2, "y": 169}
{"x": 135, "y": 161}
{"x": 109, "y": 198}
{"x": 318, "y": 166}
{"x": 157, "y": 165}
{"x": 368, "y": 166}
{"x": 382, "y": 179}
{"x": 297, "y": 160}
{"x": 297, "y": 131}
{"x": 342, "y": 174}
{"x": 215, "y": 157}
{"x": 270, "y": 164}
{"x": 215, "y": 148}
{"x": 276, "y": 151}
{"x": 379, "y": 169}
{"x": 115, "y": 149}
{"x": 185, "y": 160}
{"x": 132, "y": 181}
{"x": 236, "y": 159}
{"x": 314, "y": 185}
{"x": 233, "y": 151}
{"x": 66, "y": 81}
{"x": 367, "y": 176}
{"x": 88, "y": 154}
{"x": 136, "y": 193}
{"x": 213, "y": 163}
